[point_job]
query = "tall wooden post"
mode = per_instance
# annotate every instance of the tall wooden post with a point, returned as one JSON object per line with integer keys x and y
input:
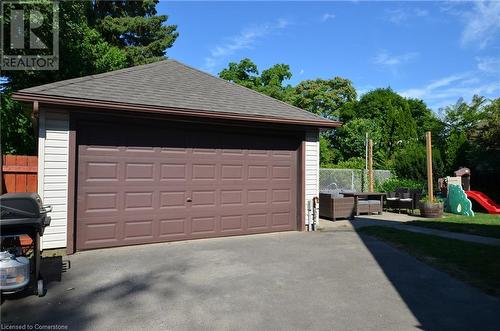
{"x": 428, "y": 142}
{"x": 370, "y": 165}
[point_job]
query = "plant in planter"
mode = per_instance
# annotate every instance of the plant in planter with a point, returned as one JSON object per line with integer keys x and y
{"x": 431, "y": 209}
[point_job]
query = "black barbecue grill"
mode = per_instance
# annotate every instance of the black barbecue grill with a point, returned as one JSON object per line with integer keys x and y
{"x": 21, "y": 214}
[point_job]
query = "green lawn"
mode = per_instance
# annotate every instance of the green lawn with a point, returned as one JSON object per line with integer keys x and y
{"x": 476, "y": 264}
{"x": 487, "y": 225}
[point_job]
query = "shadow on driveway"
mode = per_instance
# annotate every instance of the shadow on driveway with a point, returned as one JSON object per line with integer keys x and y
{"x": 437, "y": 300}
{"x": 283, "y": 281}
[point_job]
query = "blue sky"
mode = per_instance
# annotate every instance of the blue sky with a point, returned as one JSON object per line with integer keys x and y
{"x": 436, "y": 51}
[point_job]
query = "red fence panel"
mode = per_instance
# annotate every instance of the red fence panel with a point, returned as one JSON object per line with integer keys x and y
{"x": 19, "y": 173}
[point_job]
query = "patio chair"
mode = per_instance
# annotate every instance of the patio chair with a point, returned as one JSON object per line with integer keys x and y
{"x": 405, "y": 202}
{"x": 391, "y": 201}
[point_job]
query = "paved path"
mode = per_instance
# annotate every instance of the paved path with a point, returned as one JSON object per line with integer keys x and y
{"x": 283, "y": 281}
{"x": 398, "y": 221}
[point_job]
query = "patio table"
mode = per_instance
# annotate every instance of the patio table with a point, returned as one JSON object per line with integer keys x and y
{"x": 357, "y": 195}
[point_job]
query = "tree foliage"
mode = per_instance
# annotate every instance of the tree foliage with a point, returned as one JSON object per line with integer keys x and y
{"x": 467, "y": 135}
{"x": 133, "y": 27}
{"x": 350, "y": 137}
{"x": 17, "y": 132}
{"x": 471, "y": 135}
{"x": 411, "y": 162}
{"x": 95, "y": 36}
{"x": 391, "y": 113}
{"x": 269, "y": 82}
{"x": 324, "y": 97}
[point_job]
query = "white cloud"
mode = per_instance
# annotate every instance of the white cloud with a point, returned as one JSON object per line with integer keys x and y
{"x": 448, "y": 90}
{"x": 489, "y": 65}
{"x": 327, "y": 16}
{"x": 398, "y": 16}
{"x": 246, "y": 39}
{"x": 384, "y": 58}
{"x": 482, "y": 23}
{"x": 445, "y": 81}
{"x": 420, "y": 12}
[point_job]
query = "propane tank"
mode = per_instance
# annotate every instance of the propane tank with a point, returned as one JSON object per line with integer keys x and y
{"x": 14, "y": 272}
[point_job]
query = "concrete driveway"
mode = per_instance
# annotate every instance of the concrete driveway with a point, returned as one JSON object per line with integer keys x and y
{"x": 284, "y": 281}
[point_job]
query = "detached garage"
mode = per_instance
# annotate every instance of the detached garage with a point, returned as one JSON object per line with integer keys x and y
{"x": 165, "y": 152}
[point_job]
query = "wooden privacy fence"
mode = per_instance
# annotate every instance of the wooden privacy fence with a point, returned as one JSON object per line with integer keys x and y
{"x": 19, "y": 173}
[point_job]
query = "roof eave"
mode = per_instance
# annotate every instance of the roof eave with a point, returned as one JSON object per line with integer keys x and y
{"x": 88, "y": 103}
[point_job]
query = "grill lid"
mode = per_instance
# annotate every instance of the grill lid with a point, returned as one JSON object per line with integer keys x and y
{"x": 17, "y": 205}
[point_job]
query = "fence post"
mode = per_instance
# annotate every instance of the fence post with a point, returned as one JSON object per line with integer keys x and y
{"x": 428, "y": 143}
{"x": 1, "y": 171}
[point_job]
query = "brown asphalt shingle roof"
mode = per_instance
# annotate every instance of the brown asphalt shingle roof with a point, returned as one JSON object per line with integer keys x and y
{"x": 172, "y": 84}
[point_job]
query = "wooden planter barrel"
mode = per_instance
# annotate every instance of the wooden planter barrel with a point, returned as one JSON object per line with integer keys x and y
{"x": 431, "y": 210}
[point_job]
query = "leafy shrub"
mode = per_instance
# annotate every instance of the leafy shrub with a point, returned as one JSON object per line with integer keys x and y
{"x": 410, "y": 162}
{"x": 393, "y": 183}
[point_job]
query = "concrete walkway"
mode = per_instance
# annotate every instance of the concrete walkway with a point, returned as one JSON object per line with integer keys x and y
{"x": 398, "y": 221}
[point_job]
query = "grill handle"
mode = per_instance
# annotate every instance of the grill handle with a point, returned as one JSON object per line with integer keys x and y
{"x": 46, "y": 209}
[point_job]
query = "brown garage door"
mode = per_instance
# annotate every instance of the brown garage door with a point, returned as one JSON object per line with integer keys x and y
{"x": 142, "y": 184}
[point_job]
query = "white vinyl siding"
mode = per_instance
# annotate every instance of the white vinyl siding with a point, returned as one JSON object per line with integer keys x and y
{"x": 53, "y": 150}
{"x": 311, "y": 166}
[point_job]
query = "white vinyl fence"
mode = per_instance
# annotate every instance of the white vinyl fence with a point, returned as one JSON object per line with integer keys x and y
{"x": 352, "y": 179}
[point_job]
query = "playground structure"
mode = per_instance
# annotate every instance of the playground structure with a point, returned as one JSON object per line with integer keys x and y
{"x": 491, "y": 206}
{"x": 462, "y": 178}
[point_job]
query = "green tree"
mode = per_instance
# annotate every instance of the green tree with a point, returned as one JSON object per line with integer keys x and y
{"x": 244, "y": 73}
{"x": 17, "y": 131}
{"x": 489, "y": 126}
{"x": 391, "y": 113}
{"x": 462, "y": 128}
{"x": 472, "y": 140}
{"x": 326, "y": 151}
{"x": 91, "y": 42}
{"x": 411, "y": 162}
{"x": 324, "y": 97}
{"x": 425, "y": 119}
{"x": 350, "y": 137}
{"x": 134, "y": 27}
{"x": 270, "y": 82}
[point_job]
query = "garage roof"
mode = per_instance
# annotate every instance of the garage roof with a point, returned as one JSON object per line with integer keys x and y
{"x": 170, "y": 87}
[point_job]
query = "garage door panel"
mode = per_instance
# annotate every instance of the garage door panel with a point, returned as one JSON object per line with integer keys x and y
{"x": 232, "y": 197}
{"x": 153, "y": 187}
{"x": 139, "y": 229}
{"x": 140, "y": 171}
{"x": 257, "y": 196}
{"x": 104, "y": 203}
{"x": 257, "y": 221}
{"x": 173, "y": 200}
{"x": 204, "y": 225}
{"x": 103, "y": 233}
{"x": 280, "y": 219}
{"x": 173, "y": 228}
{"x": 139, "y": 201}
{"x": 175, "y": 171}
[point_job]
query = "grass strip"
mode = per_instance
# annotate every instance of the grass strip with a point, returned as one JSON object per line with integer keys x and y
{"x": 475, "y": 264}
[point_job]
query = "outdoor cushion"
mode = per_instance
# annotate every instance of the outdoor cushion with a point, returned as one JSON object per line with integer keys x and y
{"x": 406, "y": 199}
{"x": 335, "y": 193}
{"x": 392, "y": 199}
{"x": 363, "y": 202}
{"x": 347, "y": 191}
{"x": 374, "y": 202}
